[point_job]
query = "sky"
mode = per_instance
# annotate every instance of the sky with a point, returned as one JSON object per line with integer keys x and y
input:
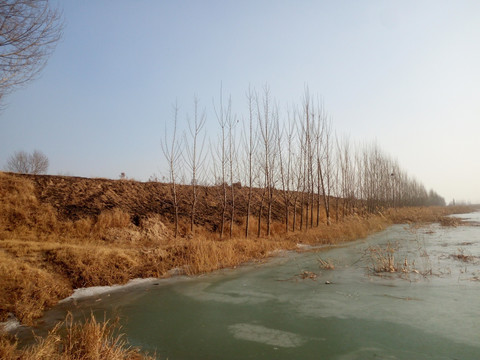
{"x": 405, "y": 74}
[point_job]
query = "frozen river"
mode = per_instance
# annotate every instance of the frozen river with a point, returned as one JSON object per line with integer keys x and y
{"x": 294, "y": 308}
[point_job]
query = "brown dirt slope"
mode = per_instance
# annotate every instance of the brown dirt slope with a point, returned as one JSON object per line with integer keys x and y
{"x": 75, "y": 198}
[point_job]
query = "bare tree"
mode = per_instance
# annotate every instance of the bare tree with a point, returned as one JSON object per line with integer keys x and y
{"x": 345, "y": 180}
{"x": 285, "y": 163}
{"x": 302, "y": 177}
{"x": 195, "y": 156}
{"x": 38, "y": 163}
{"x": 29, "y": 31}
{"x": 232, "y": 146}
{"x": 267, "y": 119}
{"x": 309, "y": 149}
{"x": 250, "y": 143}
{"x": 324, "y": 163}
{"x": 21, "y": 162}
{"x": 171, "y": 150}
{"x": 224, "y": 116}
{"x": 297, "y": 173}
{"x": 18, "y": 162}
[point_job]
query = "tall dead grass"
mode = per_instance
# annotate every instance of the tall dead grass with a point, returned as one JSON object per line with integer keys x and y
{"x": 427, "y": 214}
{"x": 20, "y": 209}
{"x": 204, "y": 255}
{"x": 27, "y": 290}
{"x": 93, "y": 265}
{"x": 69, "y": 340}
{"x": 114, "y": 218}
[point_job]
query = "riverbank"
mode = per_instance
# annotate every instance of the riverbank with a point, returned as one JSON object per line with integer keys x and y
{"x": 45, "y": 255}
{"x": 58, "y": 234}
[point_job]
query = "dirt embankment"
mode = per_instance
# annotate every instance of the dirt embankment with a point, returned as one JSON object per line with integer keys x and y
{"x": 75, "y": 198}
{"x": 59, "y": 233}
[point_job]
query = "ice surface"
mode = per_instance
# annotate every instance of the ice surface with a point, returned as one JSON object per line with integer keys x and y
{"x": 262, "y": 334}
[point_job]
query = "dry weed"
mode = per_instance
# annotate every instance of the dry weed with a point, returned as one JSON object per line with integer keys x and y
{"x": 19, "y": 208}
{"x": 27, "y": 291}
{"x": 115, "y": 218}
{"x": 325, "y": 265}
{"x": 461, "y": 256}
{"x": 383, "y": 259}
{"x": 450, "y": 221}
{"x": 308, "y": 275}
{"x": 74, "y": 341}
{"x": 93, "y": 265}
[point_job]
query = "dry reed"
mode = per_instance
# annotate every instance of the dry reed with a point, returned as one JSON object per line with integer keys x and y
{"x": 325, "y": 264}
{"x": 68, "y": 340}
{"x": 383, "y": 259}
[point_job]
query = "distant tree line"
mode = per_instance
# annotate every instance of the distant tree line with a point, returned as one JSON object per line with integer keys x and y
{"x": 319, "y": 175}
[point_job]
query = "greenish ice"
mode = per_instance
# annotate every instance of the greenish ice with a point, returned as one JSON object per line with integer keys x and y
{"x": 292, "y": 307}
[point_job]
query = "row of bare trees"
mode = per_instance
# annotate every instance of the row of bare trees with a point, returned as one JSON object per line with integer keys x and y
{"x": 293, "y": 162}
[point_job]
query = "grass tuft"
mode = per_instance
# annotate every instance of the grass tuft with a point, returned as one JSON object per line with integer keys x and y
{"x": 70, "y": 340}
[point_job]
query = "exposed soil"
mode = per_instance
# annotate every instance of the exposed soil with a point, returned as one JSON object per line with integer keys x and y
{"x": 76, "y": 197}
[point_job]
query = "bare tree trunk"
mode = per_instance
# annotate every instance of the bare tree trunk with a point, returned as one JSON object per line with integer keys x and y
{"x": 302, "y": 204}
{"x": 232, "y": 208}
{"x": 249, "y": 205}
{"x": 311, "y": 209}
{"x": 336, "y": 209}
{"x": 318, "y": 200}
{"x": 294, "y": 222}
{"x": 269, "y": 215}
{"x": 307, "y": 210}
{"x": 231, "y": 151}
{"x": 326, "y": 200}
{"x": 260, "y": 210}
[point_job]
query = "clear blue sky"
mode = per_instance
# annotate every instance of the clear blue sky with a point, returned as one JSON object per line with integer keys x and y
{"x": 403, "y": 73}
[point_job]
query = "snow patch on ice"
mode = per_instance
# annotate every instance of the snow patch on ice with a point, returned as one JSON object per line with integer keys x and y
{"x": 11, "y": 324}
{"x": 266, "y": 335}
{"x": 98, "y": 290}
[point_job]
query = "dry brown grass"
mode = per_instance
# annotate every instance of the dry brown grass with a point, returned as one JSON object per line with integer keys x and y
{"x": 326, "y": 264}
{"x": 383, "y": 259}
{"x": 461, "y": 256}
{"x": 20, "y": 209}
{"x": 204, "y": 255}
{"x": 28, "y": 290}
{"x": 91, "y": 340}
{"x": 428, "y": 214}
